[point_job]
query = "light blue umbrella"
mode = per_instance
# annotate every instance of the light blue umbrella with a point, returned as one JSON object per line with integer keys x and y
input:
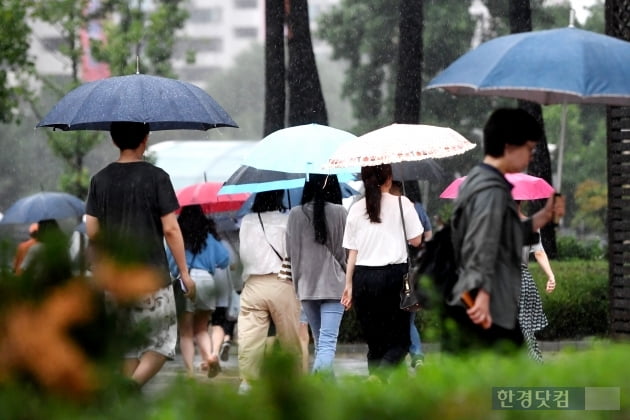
{"x": 301, "y": 149}
{"x": 556, "y": 66}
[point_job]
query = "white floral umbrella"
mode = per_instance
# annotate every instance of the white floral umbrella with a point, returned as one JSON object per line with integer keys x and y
{"x": 400, "y": 143}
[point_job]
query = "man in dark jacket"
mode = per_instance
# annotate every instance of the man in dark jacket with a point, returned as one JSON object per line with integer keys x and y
{"x": 488, "y": 237}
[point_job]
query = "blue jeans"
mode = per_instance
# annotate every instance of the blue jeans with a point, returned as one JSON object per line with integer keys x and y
{"x": 324, "y": 318}
{"x": 416, "y": 345}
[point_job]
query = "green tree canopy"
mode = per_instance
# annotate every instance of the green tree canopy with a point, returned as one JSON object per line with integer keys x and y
{"x": 15, "y": 64}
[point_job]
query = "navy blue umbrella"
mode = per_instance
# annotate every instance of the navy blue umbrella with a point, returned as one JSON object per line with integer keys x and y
{"x": 163, "y": 103}
{"x": 427, "y": 169}
{"x": 44, "y": 206}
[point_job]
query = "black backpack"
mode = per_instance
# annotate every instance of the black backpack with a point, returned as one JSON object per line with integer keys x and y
{"x": 435, "y": 269}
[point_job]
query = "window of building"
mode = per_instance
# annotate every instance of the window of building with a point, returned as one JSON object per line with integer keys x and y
{"x": 246, "y": 4}
{"x": 52, "y": 43}
{"x": 198, "y": 72}
{"x": 246, "y": 32}
{"x": 212, "y": 14}
{"x": 183, "y": 47}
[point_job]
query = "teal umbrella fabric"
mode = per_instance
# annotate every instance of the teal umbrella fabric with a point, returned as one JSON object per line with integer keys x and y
{"x": 300, "y": 149}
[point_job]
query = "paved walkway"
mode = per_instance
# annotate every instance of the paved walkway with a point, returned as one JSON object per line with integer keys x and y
{"x": 350, "y": 359}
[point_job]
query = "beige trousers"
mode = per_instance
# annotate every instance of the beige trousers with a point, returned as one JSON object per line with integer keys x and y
{"x": 266, "y": 298}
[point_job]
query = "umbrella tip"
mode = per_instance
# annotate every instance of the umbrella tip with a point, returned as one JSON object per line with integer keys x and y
{"x": 571, "y": 18}
{"x": 137, "y": 64}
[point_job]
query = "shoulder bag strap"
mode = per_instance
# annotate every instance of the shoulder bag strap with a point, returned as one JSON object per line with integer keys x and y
{"x": 265, "y": 233}
{"x": 191, "y": 263}
{"x": 402, "y": 218}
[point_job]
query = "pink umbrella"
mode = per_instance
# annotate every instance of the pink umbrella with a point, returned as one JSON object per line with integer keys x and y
{"x": 526, "y": 187}
{"x": 206, "y": 194}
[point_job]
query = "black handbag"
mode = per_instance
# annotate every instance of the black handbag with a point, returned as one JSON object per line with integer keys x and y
{"x": 408, "y": 297}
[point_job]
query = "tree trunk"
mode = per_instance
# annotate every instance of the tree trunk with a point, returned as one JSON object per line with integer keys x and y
{"x": 520, "y": 14}
{"x": 306, "y": 100}
{"x": 275, "y": 95}
{"x": 617, "y": 125}
{"x": 409, "y": 77}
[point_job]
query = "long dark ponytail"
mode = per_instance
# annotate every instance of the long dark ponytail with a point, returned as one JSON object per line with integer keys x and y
{"x": 373, "y": 178}
{"x": 321, "y": 189}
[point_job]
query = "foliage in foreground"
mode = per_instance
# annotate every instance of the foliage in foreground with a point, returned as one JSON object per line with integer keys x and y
{"x": 447, "y": 387}
{"x": 579, "y": 306}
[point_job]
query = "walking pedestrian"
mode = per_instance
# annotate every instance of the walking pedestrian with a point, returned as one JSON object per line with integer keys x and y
{"x": 265, "y": 296}
{"x": 204, "y": 254}
{"x": 377, "y": 261}
{"x": 131, "y": 205}
{"x": 488, "y": 236}
{"x": 223, "y": 327}
{"x": 23, "y": 248}
{"x": 415, "y": 349}
{"x": 531, "y": 316}
{"x": 318, "y": 261}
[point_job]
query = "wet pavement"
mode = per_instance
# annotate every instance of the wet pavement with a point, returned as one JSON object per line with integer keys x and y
{"x": 349, "y": 360}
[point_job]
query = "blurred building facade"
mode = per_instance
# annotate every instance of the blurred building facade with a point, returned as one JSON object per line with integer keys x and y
{"x": 216, "y": 32}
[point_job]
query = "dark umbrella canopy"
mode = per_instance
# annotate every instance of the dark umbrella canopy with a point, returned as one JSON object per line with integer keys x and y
{"x": 253, "y": 180}
{"x": 163, "y": 103}
{"x": 426, "y": 170}
{"x": 250, "y": 179}
{"x": 43, "y": 206}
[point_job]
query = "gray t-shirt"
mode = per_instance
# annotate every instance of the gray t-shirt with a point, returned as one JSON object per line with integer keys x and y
{"x": 318, "y": 270}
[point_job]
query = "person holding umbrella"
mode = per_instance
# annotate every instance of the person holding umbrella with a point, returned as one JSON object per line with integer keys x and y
{"x": 531, "y": 315}
{"x": 130, "y": 211}
{"x": 415, "y": 350}
{"x": 377, "y": 262}
{"x": 318, "y": 262}
{"x": 266, "y": 297}
{"x": 204, "y": 254}
{"x": 48, "y": 260}
{"x": 23, "y": 247}
{"x": 488, "y": 236}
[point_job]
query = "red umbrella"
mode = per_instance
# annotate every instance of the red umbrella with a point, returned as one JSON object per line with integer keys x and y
{"x": 526, "y": 187}
{"x": 206, "y": 194}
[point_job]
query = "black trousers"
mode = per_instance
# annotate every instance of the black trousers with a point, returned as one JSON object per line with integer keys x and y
{"x": 376, "y": 298}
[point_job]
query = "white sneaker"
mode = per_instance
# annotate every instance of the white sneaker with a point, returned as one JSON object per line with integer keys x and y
{"x": 244, "y": 387}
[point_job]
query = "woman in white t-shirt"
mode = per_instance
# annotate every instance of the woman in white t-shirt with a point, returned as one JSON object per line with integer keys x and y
{"x": 377, "y": 261}
{"x": 265, "y": 297}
